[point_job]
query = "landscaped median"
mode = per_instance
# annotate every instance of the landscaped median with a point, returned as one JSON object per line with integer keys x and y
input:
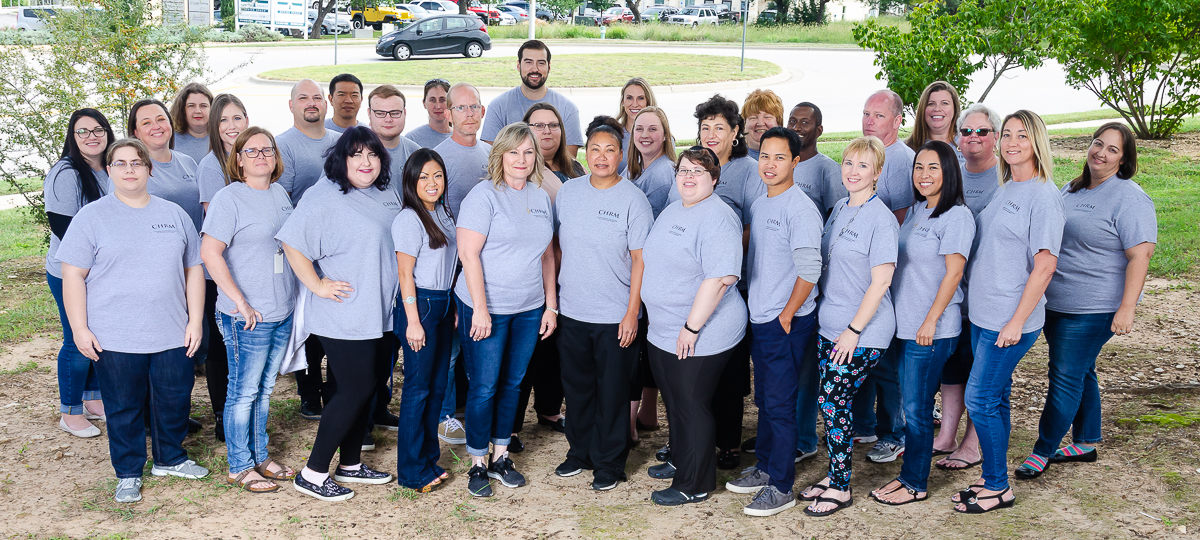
{"x": 570, "y": 70}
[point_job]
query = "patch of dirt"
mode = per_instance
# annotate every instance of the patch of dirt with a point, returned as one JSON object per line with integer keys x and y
{"x": 1146, "y": 483}
{"x": 1186, "y": 144}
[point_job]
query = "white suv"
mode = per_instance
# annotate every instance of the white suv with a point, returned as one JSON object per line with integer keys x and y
{"x": 34, "y": 18}
{"x": 694, "y": 16}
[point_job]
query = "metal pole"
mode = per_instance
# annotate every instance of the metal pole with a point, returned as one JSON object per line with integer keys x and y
{"x": 532, "y": 17}
{"x": 336, "y": 31}
{"x": 745, "y": 15}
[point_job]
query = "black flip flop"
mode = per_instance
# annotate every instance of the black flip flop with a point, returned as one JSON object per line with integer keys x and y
{"x": 968, "y": 465}
{"x": 840, "y": 505}
{"x": 937, "y": 453}
{"x": 973, "y": 507}
{"x": 823, "y": 487}
{"x": 905, "y": 488}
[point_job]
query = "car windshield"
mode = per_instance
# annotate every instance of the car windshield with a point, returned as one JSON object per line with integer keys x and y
{"x": 615, "y": 11}
{"x": 695, "y": 12}
{"x": 417, "y": 10}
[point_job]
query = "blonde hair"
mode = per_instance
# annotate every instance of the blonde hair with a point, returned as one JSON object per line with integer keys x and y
{"x": 508, "y": 139}
{"x": 921, "y": 131}
{"x": 634, "y": 157}
{"x": 1036, "y": 129}
{"x": 870, "y": 146}
{"x": 763, "y": 101}
{"x": 650, "y": 101}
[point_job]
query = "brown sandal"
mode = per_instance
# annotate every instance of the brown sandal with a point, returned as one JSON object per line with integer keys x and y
{"x": 248, "y": 485}
{"x": 430, "y": 486}
{"x": 285, "y": 473}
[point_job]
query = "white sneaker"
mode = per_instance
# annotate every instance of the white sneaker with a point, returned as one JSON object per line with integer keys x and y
{"x": 129, "y": 490}
{"x": 187, "y": 469}
{"x": 452, "y": 431}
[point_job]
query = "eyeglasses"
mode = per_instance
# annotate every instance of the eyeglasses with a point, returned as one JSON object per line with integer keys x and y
{"x": 385, "y": 114}
{"x": 85, "y": 133}
{"x": 463, "y": 108}
{"x": 982, "y": 132}
{"x": 255, "y": 152}
{"x": 437, "y": 81}
{"x": 119, "y": 165}
{"x": 694, "y": 173}
{"x": 552, "y": 126}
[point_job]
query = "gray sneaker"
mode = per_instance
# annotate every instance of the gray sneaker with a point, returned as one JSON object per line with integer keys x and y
{"x": 187, "y": 469}
{"x": 769, "y": 502}
{"x": 129, "y": 490}
{"x": 884, "y": 452}
{"x": 802, "y": 455}
{"x": 752, "y": 481}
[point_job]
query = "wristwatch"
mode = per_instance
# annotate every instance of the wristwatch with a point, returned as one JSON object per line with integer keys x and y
{"x": 410, "y": 299}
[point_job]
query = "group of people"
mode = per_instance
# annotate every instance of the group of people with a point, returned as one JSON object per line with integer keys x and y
{"x": 478, "y": 251}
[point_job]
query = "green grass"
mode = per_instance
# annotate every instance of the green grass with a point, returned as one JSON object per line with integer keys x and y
{"x": 27, "y": 184}
{"x": 578, "y": 70}
{"x": 19, "y": 236}
{"x": 26, "y": 307}
{"x": 836, "y": 33}
{"x": 1066, "y": 118}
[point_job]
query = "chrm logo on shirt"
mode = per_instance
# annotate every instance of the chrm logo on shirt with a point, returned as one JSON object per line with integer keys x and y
{"x": 677, "y": 230}
{"x": 1011, "y": 207}
{"x": 540, "y": 212}
{"x": 608, "y": 215}
{"x": 163, "y": 227}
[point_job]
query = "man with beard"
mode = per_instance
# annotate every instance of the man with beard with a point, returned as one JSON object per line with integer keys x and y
{"x": 818, "y": 175}
{"x": 302, "y": 148}
{"x": 533, "y": 63}
{"x": 345, "y": 93}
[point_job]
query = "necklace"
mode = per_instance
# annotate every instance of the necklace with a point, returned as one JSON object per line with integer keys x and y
{"x": 833, "y": 221}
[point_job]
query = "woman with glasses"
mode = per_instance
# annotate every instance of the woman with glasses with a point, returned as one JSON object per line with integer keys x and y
{"x": 345, "y": 227}
{"x": 505, "y": 295}
{"x": 547, "y": 124}
{"x": 693, "y": 257}
{"x": 254, "y": 307}
{"x": 636, "y": 95}
{"x": 78, "y": 177}
{"x": 128, "y": 253}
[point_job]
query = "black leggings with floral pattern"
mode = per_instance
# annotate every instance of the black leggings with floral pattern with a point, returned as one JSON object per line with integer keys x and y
{"x": 839, "y": 383}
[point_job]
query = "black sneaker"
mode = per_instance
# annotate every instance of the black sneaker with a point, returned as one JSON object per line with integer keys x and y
{"x": 368, "y": 443}
{"x": 662, "y": 471}
{"x": 219, "y": 429}
{"x": 329, "y": 491}
{"x": 515, "y": 445}
{"x": 193, "y": 426}
{"x": 364, "y": 475}
{"x": 568, "y": 468}
{"x": 729, "y": 459}
{"x": 504, "y": 471}
{"x": 748, "y": 445}
{"x": 605, "y": 480}
{"x": 478, "y": 483}
{"x": 310, "y": 410}
{"x": 663, "y": 454}
{"x": 387, "y": 421}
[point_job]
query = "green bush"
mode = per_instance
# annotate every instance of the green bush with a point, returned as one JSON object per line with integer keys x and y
{"x": 617, "y": 32}
{"x": 18, "y": 37}
{"x": 833, "y": 33}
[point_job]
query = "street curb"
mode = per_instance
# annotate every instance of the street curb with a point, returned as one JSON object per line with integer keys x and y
{"x": 783, "y": 75}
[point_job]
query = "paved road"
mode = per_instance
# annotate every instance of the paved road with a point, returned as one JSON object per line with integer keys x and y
{"x": 836, "y": 80}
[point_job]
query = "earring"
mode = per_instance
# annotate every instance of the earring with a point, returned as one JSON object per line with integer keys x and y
{"x": 735, "y": 142}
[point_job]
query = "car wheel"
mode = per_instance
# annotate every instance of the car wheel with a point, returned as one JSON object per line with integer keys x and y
{"x": 358, "y": 23}
{"x": 473, "y": 50}
{"x": 694, "y": 25}
{"x": 402, "y": 52}
{"x": 324, "y": 31}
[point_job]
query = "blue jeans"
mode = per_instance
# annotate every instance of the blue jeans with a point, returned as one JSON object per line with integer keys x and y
{"x": 425, "y": 374}
{"x": 253, "y": 359}
{"x": 1073, "y": 398}
{"x": 76, "y": 374}
{"x": 450, "y": 397}
{"x": 495, "y": 366}
{"x": 987, "y": 399}
{"x": 778, "y": 359}
{"x": 877, "y": 408}
{"x": 806, "y": 399}
{"x": 922, "y": 369}
{"x": 126, "y": 379}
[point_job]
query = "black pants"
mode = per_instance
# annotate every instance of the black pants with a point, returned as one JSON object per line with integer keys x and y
{"x": 383, "y": 381}
{"x": 729, "y": 400}
{"x": 312, "y": 387}
{"x": 642, "y": 378}
{"x": 344, "y": 421}
{"x": 544, "y": 375}
{"x": 596, "y": 374}
{"x": 216, "y": 367}
{"x": 687, "y": 387}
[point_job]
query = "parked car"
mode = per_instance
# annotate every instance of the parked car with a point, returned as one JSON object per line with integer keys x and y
{"x": 437, "y": 7}
{"x": 375, "y": 17}
{"x": 693, "y": 16}
{"x": 521, "y": 16}
{"x": 543, "y": 14}
{"x": 439, "y": 34}
{"x": 658, "y": 13}
{"x": 417, "y": 12}
{"x": 726, "y": 15}
{"x": 34, "y": 18}
{"x": 617, "y": 15}
{"x": 328, "y": 26}
{"x": 768, "y": 16}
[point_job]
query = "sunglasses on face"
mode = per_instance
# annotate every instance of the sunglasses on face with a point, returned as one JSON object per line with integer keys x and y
{"x": 982, "y": 132}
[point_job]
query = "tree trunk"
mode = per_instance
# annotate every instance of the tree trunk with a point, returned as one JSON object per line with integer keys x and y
{"x": 462, "y": 6}
{"x": 637, "y": 12}
{"x": 323, "y": 9}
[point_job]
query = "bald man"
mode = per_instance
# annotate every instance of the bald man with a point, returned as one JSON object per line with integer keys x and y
{"x": 303, "y": 146}
{"x": 465, "y": 155}
{"x": 882, "y": 116}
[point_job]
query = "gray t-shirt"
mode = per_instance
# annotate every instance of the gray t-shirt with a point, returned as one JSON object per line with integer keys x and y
{"x": 781, "y": 225}
{"x": 246, "y": 220}
{"x": 596, "y": 231}
{"x": 434, "y": 269}
{"x": 466, "y": 166}
{"x": 339, "y": 129}
{"x": 685, "y": 247}
{"x": 303, "y": 160}
{"x": 821, "y": 179}
{"x": 924, "y": 244}
{"x": 136, "y": 257}
{"x": 426, "y": 136}
{"x": 61, "y": 195}
{"x": 518, "y": 226}
{"x": 739, "y": 186}
{"x": 193, "y": 147}
{"x": 211, "y": 177}
{"x": 511, "y": 106}
{"x": 895, "y": 181}
{"x": 349, "y": 236}
{"x": 175, "y": 181}
{"x": 854, "y": 241}
{"x": 1022, "y": 219}
{"x": 1101, "y": 223}
{"x": 979, "y": 188}
{"x": 656, "y": 181}
{"x": 399, "y": 156}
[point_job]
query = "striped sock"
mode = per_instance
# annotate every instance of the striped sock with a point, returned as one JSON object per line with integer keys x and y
{"x": 1035, "y": 462}
{"x": 1075, "y": 450}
